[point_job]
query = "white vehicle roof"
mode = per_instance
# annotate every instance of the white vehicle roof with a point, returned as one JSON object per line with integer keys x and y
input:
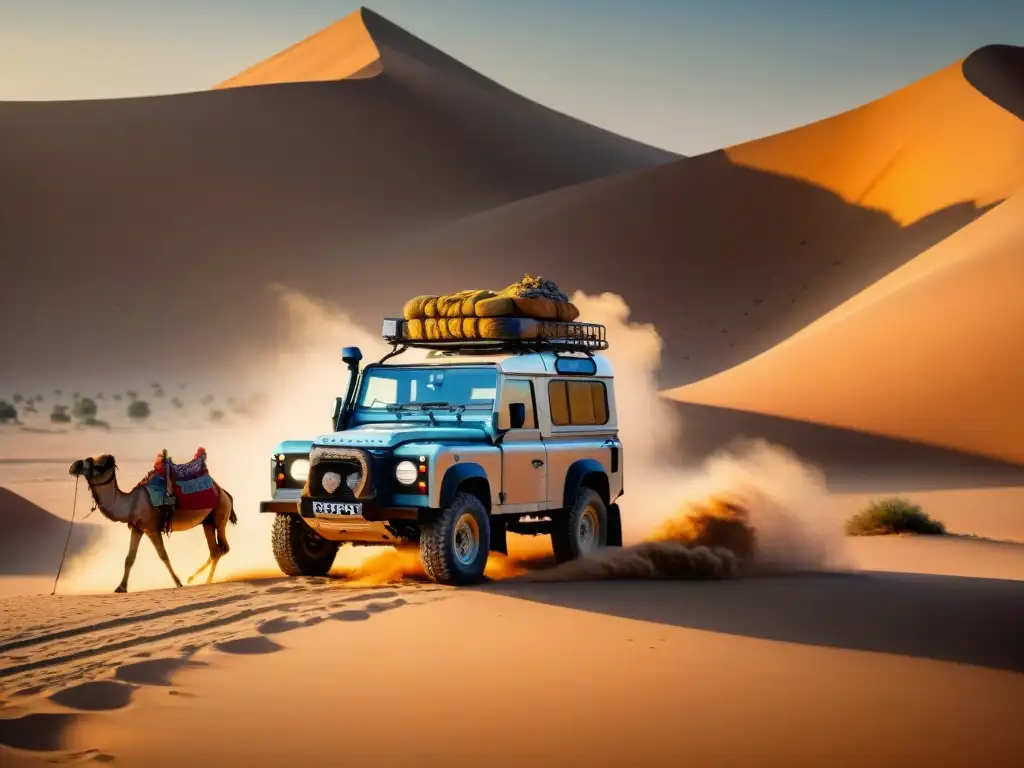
{"x": 526, "y": 363}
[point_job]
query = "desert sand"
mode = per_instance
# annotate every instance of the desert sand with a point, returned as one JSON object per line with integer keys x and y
{"x": 846, "y": 669}
{"x": 928, "y": 354}
{"x": 844, "y": 290}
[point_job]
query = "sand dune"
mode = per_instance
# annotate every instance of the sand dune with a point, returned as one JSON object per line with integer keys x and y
{"x": 99, "y": 678}
{"x": 930, "y": 354}
{"x": 950, "y": 138}
{"x": 32, "y": 539}
{"x": 211, "y": 196}
{"x": 730, "y": 253}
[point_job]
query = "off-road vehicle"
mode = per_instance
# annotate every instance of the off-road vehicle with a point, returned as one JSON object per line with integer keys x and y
{"x": 482, "y": 438}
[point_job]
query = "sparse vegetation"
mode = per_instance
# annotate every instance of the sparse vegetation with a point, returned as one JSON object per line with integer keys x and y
{"x": 60, "y": 415}
{"x": 139, "y": 410}
{"x": 890, "y": 516}
{"x": 95, "y": 423}
{"x": 132, "y": 394}
{"x": 116, "y": 397}
{"x": 18, "y": 398}
{"x": 216, "y": 415}
{"x": 85, "y": 409}
{"x": 177, "y": 403}
{"x": 8, "y": 413}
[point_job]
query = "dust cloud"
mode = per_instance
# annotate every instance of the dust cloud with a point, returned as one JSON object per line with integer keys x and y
{"x": 665, "y": 511}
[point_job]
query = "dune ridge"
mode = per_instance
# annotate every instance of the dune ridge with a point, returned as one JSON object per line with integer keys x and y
{"x": 942, "y": 140}
{"x": 927, "y": 354}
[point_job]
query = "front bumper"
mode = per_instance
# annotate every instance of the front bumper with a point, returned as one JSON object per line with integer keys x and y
{"x": 354, "y": 529}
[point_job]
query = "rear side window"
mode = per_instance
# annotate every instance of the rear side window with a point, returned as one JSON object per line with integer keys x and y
{"x": 578, "y": 403}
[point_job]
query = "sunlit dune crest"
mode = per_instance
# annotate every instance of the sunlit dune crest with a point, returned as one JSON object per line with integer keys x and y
{"x": 930, "y": 145}
{"x": 343, "y": 50}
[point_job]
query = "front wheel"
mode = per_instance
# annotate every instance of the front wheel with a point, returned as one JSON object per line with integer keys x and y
{"x": 298, "y": 549}
{"x": 455, "y": 543}
{"x": 581, "y": 530}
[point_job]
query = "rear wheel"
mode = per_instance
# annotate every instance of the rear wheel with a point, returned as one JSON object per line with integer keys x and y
{"x": 455, "y": 543}
{"x": 583, "y": 529}
{"x": 299, "y": 550}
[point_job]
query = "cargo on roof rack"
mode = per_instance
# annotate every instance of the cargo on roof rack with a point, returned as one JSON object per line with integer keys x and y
{"x": 512, "y": 335}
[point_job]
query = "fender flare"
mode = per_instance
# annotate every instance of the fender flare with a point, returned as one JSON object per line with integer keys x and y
{"x": 574, "y": 478}
{"x": 455, "y": 476}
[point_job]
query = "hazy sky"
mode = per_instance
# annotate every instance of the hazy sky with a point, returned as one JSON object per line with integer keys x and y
{"x": 686, "y": 75}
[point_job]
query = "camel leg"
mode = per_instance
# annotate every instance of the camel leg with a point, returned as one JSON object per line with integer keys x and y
{"x": 158, "y": 543}
{"x": 129, "y": 561}
{"x": 211, "y": 543}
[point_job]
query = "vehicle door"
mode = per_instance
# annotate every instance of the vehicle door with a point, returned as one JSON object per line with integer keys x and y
{"x": 524, "y": 456}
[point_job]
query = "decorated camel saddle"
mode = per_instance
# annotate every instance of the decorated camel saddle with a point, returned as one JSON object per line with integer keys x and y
{"x": 186, "y": 486}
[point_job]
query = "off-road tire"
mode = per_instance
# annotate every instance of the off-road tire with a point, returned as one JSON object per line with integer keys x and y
{"x": 566, "y": 525}
{"x": 437, "y": 542}
{"x": 293, "y": 544}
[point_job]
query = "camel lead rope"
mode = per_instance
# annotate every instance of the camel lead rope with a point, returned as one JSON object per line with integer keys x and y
{"x": 70, "y": 528}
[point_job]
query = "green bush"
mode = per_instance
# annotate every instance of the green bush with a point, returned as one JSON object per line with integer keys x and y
{"x": 890, "y": 516}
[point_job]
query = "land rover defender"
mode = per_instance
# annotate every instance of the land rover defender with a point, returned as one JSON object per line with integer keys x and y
{"x": 480, "y": 439}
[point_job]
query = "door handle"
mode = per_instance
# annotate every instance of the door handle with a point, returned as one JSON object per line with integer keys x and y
{"x": 538, "y": 463}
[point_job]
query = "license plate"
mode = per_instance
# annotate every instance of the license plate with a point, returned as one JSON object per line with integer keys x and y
{"x": 335, "y": 508}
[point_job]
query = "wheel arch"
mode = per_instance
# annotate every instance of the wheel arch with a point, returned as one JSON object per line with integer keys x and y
{"x": 469, "y": 477}
{"x": 586, "y": 473}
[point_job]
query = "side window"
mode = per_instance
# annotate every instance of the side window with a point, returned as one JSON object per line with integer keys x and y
{"x": 517, "y": 391}
{"x": 583, "y": 403}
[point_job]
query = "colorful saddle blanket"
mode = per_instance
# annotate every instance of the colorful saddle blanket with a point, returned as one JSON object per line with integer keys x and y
{"x": 193, "y": 486}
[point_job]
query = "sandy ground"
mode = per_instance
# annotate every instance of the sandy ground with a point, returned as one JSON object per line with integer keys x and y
{"x": 844, "y": 669}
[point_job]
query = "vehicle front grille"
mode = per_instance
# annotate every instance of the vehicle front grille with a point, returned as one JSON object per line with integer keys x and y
{"x": 335, "y": 479}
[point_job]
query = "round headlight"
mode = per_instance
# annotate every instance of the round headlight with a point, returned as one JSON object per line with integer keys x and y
{"x": 299, "y": 470}
{"x": 405, "y": 473}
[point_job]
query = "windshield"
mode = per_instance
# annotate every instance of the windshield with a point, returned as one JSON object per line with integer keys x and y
{"x": 397, "y": 389}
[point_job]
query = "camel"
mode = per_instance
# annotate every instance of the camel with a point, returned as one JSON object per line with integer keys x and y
{"x": 137, "y": 511}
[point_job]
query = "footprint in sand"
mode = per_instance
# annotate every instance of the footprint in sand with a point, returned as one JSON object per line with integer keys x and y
{"x": 381, "y": 607}
{"x": 40, "y": 732}
{"x": 350, "y": 616}
{"x": 99, "y": 695}
{"x": 154, "y": 671}
{"x": 274, "y": 626}
{"x": 249, "y": 645}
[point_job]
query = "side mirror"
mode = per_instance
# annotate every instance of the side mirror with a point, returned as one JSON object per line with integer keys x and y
{"x": 516, "y": 415}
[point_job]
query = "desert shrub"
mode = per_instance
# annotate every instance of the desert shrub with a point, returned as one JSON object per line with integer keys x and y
{"x": 890, "y": 516}
{"x": 60, "y": 415}
{"x": 139, "y": 410}
{"x": 92, "y": 421}
{"x": 8, "y": 412}
{"x": 132, "y": 394}
{"x": 177, "y": 403}
{"x": 85, "y": 409}
{"x": 18, "y": 397}
{"x": 216, "y": 415}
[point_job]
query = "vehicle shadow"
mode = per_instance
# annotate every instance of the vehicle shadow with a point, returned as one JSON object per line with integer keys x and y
{"x": 944, "y": 618}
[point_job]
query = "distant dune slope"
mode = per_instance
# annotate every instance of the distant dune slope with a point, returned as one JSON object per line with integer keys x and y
{"x": 932, "y": 353}
{"x": 222, "y": 192}
{"x": 32, "y": 539}
{"x": 936, "y": 143}
{"x": 730, "y": 253}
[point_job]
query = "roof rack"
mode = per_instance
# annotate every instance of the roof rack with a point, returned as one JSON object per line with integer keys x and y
{"x": 557, "y": 337}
